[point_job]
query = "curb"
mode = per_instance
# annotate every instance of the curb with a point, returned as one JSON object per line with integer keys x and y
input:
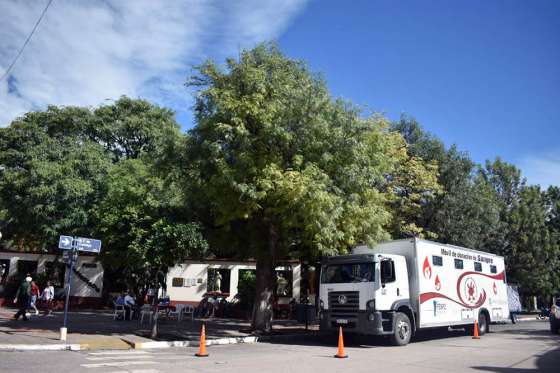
{"x": 145, "y": 345}
{"x": 529, "y": 319}
{"x": 55, "y": 347}
{"x": 209, "y": 342}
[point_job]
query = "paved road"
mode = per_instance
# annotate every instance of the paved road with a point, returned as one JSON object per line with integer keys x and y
{"x": 523, "y": 348}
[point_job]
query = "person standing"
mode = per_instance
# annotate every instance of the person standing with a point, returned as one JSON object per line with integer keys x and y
{"x": 35, "y": 292}
{"x": 48, "y": 297}
{"x": 23, "y": 295}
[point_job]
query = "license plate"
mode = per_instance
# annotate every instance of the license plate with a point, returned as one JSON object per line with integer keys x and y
{"x": 340, "y": 321}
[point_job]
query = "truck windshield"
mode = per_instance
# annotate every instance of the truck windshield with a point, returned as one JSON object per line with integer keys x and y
{"x": 351, "y": 272}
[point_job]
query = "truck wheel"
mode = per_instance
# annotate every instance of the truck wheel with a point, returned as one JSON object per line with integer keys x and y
{"x": 403, "y": 330}
{"x": 554, "y": 325}
{"x": 483, "y": 326}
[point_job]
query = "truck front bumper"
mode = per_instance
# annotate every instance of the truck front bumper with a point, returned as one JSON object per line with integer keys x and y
{"x": 362, "y": 322}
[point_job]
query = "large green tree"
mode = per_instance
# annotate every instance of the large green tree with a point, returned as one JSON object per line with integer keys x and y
{"x": 283, "y": 168}
{"x": 143, "y": 224}
{"x": 107, "y": 172}
{"x": 465, "y": 211}
{"x": 50, "y": 177}
{"x": 526, "y": 239}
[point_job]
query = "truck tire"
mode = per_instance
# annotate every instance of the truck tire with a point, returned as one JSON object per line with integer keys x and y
{"x": 403, "y": 330}
{"x": 554, "y": 324}
{"x": 483, "y": 324}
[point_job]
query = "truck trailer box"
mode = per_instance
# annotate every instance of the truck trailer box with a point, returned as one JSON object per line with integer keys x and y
{"x": 401, "y": 286}
{"x": 450, "y": 284}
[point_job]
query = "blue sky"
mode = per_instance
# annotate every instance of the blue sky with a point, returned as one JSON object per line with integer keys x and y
{"x": 481, "y": 74}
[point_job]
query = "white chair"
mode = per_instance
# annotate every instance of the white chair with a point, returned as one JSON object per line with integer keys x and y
{"x": 119, "y": 310}
{"x": 178, "y": 311}
{"x": 188, "y": 311}
{"x": 145, "y": 310}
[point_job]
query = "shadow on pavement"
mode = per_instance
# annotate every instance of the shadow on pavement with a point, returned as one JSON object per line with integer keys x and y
{"x": 353, "y": 340}
{"x": 548, "y": 362}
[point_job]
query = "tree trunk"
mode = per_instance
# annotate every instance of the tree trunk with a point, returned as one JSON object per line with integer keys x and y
{"x": 266, "y": 281}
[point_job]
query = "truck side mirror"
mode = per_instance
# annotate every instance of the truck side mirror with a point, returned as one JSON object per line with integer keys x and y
{"x": 387, "y": 271}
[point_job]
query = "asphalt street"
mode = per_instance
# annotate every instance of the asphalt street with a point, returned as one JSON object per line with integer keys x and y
{"x": 523, "y": 348}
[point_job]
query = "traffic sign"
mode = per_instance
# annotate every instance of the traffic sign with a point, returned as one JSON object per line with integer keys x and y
{"x": 88, "y": 244}
{"x": 65, "y": 242}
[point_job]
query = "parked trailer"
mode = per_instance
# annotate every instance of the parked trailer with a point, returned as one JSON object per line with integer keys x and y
{"x": 402, "y": 286}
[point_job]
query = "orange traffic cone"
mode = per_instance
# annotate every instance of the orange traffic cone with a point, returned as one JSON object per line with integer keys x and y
{"x": 202, "y": 347}
{"x": 475, "y": 332}
{"x": 340, "y": 354}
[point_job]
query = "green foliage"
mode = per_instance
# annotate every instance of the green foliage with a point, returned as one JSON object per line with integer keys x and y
{"x": 490, "y": 209}
{"x": 246, "y": 288}
{"x": 532, "y": 254}
{"x": 130, "y": 128}
{"x": 283, "y": 165}
{"x": 109, "y": 173}
{"x": 51, "y": 177}
{"x": 412, "y": 185}
{"x": 271, "y": 149}
{"x": 141, "y": 224}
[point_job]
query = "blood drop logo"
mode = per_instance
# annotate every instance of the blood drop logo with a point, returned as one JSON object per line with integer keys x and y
{"x": 426, "y": 269}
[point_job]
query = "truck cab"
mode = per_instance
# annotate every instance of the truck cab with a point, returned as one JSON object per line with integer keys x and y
{"x": 367, "y": 293}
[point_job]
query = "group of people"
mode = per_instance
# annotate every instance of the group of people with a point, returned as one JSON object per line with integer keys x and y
{"x": 27, "y": 295}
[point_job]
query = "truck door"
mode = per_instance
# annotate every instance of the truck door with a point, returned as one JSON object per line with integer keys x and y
{"x": 393, "y": 283}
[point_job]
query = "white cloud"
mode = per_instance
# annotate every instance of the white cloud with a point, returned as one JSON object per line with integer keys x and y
{"x": 86, "y": 52}
{"x": 542, "y": 169}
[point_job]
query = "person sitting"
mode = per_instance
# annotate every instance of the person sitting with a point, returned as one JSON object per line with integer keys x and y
{"x": 120, "y": 299}
{"x": 129, "y": 305}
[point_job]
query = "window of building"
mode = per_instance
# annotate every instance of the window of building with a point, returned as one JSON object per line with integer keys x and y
{"x": 177, "y": 282}
{"x": 478, "y": 266}
{"x": 55, "y": 272}
{"x": 437, "y": 260}
{"x": 219, "y": 280}
{"x": 459, "y": 263}
{"x": 284, "y": 283}
{"x": 493, "y": 269}
{"x": 27, "y": 266}
{"x": 4, "y": 269}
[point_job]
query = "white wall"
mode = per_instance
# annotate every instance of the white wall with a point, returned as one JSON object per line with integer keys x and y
{"x": 198, "y": 271}
{"x": 78, "y": 287}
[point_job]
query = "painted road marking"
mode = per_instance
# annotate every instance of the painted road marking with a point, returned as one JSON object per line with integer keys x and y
{"x": 120, "y": 353}
{"x": 101, "y": 358}
{"x": 116, "y": 364}
{"x": 137, "y": 371}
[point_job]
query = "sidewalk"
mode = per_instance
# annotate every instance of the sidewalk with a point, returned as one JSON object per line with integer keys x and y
{"x": 98, "y": 330}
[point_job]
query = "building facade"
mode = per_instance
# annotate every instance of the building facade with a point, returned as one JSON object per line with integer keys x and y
{"x": 87, "y": 279}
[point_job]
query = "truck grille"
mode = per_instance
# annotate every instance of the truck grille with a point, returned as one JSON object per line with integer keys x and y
{"x": 347, "y": 310}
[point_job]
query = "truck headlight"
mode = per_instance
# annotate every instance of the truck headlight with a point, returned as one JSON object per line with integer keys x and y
{"x": 371, "y": 304}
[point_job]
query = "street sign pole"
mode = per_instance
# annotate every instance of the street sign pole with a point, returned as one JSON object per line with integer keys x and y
{"x": 73, "y": 245}
{"x": 73, "y": 256}
{"x": 68, "y": 288}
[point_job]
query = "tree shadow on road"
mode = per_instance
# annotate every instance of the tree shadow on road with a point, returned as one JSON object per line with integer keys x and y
{"x": 360, "y": 341}
{"x": 548, "y": 362}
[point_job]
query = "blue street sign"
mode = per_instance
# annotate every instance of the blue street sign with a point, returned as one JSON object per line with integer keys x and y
{"x": 88, "y": 244}
{"x": 65, "y": 242}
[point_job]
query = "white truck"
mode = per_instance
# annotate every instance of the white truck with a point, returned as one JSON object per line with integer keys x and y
{"x": 402, "y": 286}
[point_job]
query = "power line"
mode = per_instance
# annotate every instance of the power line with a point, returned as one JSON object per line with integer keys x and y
{"x": 7, "y": 72}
